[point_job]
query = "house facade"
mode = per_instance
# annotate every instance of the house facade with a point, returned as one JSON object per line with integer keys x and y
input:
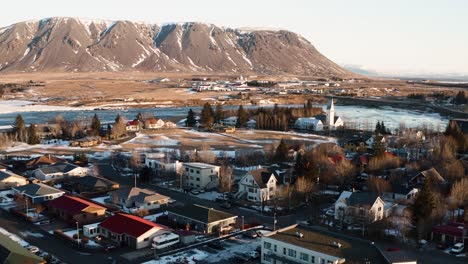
{"x": 200, "y": 175}
{"x": 154, "y": 123}
{"x": 38, "y": 192}
{"x": 73, "y": 209}
{"x": 258, "y": 185}
{"x": 309, "y": 123}
{"x": 359, "y": 207}
{"x": 203, "y": 219}
{"x": 130, "y": 230}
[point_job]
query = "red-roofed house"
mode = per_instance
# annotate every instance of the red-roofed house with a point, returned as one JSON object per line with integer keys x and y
{"x": 133, "y": 125}
{"x": 74, "y": 209}
{"x": 154, "y": 123}
{"x": 130, "y": 230}
{"x": 450, "y": 233}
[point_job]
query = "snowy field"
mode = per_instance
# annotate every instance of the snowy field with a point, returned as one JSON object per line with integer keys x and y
{"x": 18, "y": 106}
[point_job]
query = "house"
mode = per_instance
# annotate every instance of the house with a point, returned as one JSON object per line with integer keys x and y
{"x": 161, "y": 163}
{"x": 89, "y": 185}
{"x": 38, "y": 192}
{"x": 332, "y": 121}
{"x": 355, "y": 145}
{"x": 202, "y": 219}
{"x": 142, "y": 199}
{"x": 200, "y": 175}
{"x": 400, "y": 192}
{"x": 170, "y": 125}
{"x": 376, "y": 139}
{"x": 309, "y": 123}
{"x": 154, "y": 123}
{"x": 42, "y": 161}
{"x": 58, "y": 171}
{"x": 9, "y": 179}
{"x": 431, "y": 173}
{"x": 450, "y": 233}
{"x": 133, "y": 126}
{"x": 74, "y": 209}
{"x": 12, "y": 252}
{"x": 230, "y": 121}
{"x": 399, "y": 257}
{"x": 160, "y": 80}
{"x": 130, "y": 230}
{"x": 252, "y": 124}
{"x": 258, "y": 185}
{"x": 299, "y": 244}
{"x": 359, "y": 207}
{"x": 86, "y": 142}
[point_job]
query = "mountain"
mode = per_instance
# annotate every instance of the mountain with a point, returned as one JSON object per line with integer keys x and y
{"x": 70, "y": 44}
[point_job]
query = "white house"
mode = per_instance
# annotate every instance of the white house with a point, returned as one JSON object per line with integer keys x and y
{"x": 154, "y": 123}
{"x": 130, "y": 230}
{"x": 159, "y": 162}
{"x": 58, "y": 171}
{"x": 373, "y": 139}
{"x": 359, "y": 207}
{"x": 402, "y": 193}
{"x": 139, "y": 199}
{"x": 200, "y": 175}
{"x": 9, "y": 179}
{"x": 257, "y": 185}
{"x": 170, "y": 124}
{"x": 309, "y": 123}
{"x": 299, "y": 244}
{"x": 251, "y": 124}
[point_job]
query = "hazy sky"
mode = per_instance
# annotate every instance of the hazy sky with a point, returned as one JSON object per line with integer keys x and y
{"x": 394, "y": 36}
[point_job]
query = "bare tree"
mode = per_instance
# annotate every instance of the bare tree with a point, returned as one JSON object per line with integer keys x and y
{"x": 459, "y": 192}
{"x": 378, "y": 186}
{"x": 225, "y": 178}
{"x": 304, "y": 187}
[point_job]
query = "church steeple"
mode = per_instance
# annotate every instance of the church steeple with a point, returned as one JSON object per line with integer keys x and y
{"x": 330, "y": 113}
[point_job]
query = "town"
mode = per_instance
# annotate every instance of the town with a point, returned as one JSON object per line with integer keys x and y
{"x": 263, "y": 185}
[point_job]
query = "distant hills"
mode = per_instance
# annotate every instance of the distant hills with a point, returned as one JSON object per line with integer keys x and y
{"x": 77, "y": 45}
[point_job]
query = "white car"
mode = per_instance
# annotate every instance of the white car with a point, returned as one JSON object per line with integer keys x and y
{"x": 457, "y": 248}
{"x": 32, "y": 249}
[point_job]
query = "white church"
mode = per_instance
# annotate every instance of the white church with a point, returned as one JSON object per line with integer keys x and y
{"x": 320, "y": 122}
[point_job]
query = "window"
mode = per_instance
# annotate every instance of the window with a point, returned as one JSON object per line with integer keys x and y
{"x": 191, "y": 170}
{"x": 274, "y": 248}
{"x": 284, "y": 251}
{"x": 198, "y": 172}
{"x": 266, "y": 258}
{"x": 198, "y": 179}
{"x": 322, "y": 261}
{"x": 186, "y": 169}
{"x": 304, "y": 256}
{"x": 146, "y": 239}
{"x": 292, "y": 253}
{"x": 312, "y": 259}
{"x": 266, "y": 245}
{"x": 149, "y": 204}
{"x": 380, "y": 209}
{"x": 329, "y": 262}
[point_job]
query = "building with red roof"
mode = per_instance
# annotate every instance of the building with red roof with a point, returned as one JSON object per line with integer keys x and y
{"x": 130, "y": 230}
{"x": 74, "y": 209}
{"x": 450, "y": 233}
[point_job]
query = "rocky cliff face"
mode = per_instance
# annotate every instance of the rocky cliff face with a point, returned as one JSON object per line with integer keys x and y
{"x": 69, "y": 44}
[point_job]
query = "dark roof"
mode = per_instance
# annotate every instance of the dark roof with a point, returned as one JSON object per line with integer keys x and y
{"x": 401, "y": 256}
{"x": 261, "y": 176}
{"x": 128, "y": 224}
{"x": 200, "y": 213}
{"x": 351, "y": 250}
{"x": 37, "y": 189}
{"x": 451, "y": 229}
{"x": 7, "y": 174}
{"x": 73, "y": 205}
{"x": 13, "y": 252}
{"x": 93, "y": 181}
{"x": 361, "y": 198}
{"x": 58, "y": 167}
{"x": 432, "y": 174}
{"x": 138, "y": 195}
{"x": 321, "y": 117}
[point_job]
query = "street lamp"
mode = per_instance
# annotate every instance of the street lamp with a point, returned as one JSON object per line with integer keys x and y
{"x": 274, "y": 222}
{"x": 77, "y": 234}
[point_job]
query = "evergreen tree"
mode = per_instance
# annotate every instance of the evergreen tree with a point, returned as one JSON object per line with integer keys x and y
{"x": 207, "y": 115}
{"x": 281, "y": 153}
{"x": 378, "y": 128}
{"x": 424, "y": 203}
{"x": 454, "y": 131}
{"x": 219, "y": 113}
{"x": 19, "y": 128}
{"x": 139, "y": 117}
{"x": 33, "y": 138}
{"x": 242, "y": 117}
{"x": 95, "y": 125}
{"x": 190, "y": 122}
{"x": 460, "y": 98}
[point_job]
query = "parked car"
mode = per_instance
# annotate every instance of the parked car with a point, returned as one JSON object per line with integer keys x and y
{"x": 226, "y": 205}
{"x": 240, "y": 258}
{"x": 458, "y": 248}
{"x": 195, "y": 191}
{"x": 171, "y": 201}
{"x": 442, "y": 246}
{"x": 109, "y": 248}
{"x": 253, "y": 255}
{"x": 32, "y": 249}
{"x": 250, "y": 234}
{"x": 330, "y": 212}
{"x": 215, "y": 245}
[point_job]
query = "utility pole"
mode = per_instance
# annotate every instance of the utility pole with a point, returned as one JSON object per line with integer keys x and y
{"x": 77, "y": 234}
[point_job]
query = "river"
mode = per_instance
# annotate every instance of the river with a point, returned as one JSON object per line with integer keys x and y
{"x": 358, "y": 116}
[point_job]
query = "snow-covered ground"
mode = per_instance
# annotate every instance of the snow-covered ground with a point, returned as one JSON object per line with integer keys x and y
{"x": 18, "y": 106}
{"x": 233, "y": 247}
{"x": 20, "y": 146}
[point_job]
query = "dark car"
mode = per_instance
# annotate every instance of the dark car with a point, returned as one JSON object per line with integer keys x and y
{"x": 250, "y": 234}
{"x": 226, "y": 205}
{"x": 215, "y": 245}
